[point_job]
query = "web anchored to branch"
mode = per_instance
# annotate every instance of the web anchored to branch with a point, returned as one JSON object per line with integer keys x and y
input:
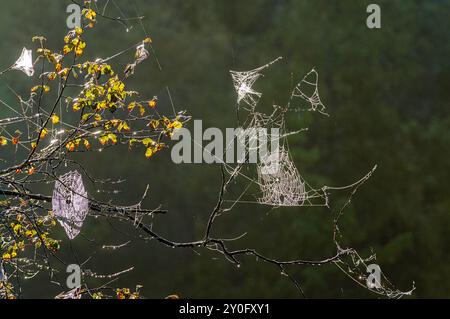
{"x": 70, "y": 203}
{"x": 41, "y": 156}
{"x": 279, "y": 181}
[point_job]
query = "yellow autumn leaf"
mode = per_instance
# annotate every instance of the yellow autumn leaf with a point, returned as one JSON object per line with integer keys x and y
{"x": 141, "y": 110}
{"x": 148, "y": 142}
{"x": 3, "y": 141}
{"x": 149, "y": 152}
{"x": 123, "y": 126}
{"x": 63, "y": 73}
{"x": 133, "y": 141}
{"x": 70, "y": 146}
{"x": 43, "y": 133}
{"x": 66, "y": 49}
{"x": 175, "y": 124}
{"x": 75, "y": 41}
{"x": 6, "y": 256}
{"x": 55, "y": 119}
{"x": 90, "y": 14}
{"x": 131, "y": 106}
{"x": 51, "y": 76}
{"x": 17, "y": 228}
{"x": 152, "y": 103}
{"x": 78, "y": 52}
{"x": 154, "y": 123}
{"x": 112, "y": 137}
{"x": 86, "y": 116}
{"x": 76, "y": 106}
{"x": 103, "y": 139}
{"x": 108, "y": 137}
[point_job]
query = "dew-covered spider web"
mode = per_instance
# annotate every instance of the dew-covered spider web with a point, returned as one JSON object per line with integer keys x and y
{"x": 243, "y": 83}
{"x": 279, "y": 181}
{"x": 308, "y": 90}
{"x": 70, "y": 203}
{"x": 276, "y": 176}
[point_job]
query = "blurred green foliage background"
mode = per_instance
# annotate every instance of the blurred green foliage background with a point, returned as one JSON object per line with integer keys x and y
{"x": 386, "y": 90}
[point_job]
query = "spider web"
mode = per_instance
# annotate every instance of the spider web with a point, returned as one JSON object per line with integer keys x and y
{"x": 308, "y": 90}
{"x": 243, "y": 83}
{"x": 69, "y": 202}
{"x": 277, "y": 177}
{"x": 24, "y": 63}
{"x": 280, "y": 181}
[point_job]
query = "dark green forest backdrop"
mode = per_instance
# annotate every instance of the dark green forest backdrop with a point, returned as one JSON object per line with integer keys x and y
{"x": 387, "y": 92}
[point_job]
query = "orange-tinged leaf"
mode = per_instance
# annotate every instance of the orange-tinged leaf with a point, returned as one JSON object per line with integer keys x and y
{"x": 70, "y": 146}
{"x": 43, "y": 133}
{"x": 51, "y": 76}
{"x": 79, "y": 52}
{"x": 86, "y": 144}
{"x": 103, "y": 139}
